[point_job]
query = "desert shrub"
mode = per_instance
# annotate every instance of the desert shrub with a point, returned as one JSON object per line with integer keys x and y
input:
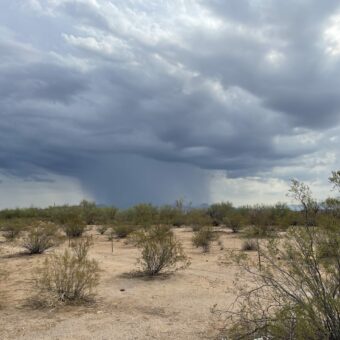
{"x": 170, "y": 215}
{"x": 219, "y": 211}
{"x": 40, "y": 238}
{"x": 203, "y": 238}
{"x": 160, "y": 250}
{"x": 301, "y": 193}
{"x": 259, "y": 231}
{"x": 144, "y": 214}
{"x": 294, "y": 291}
{"x": 331, "y": 206}
{"x": 11, "y": 229}
{"x": 234, "y": 221}
{"x": 197, "y": 218}
{"x": 74, "y": 227}
{"x": 326, "y": 248}
{"x": 106, "y": 215}
{"x": 166, "y": 214}
{"x": 62, "y": 214}
{"x": 295, "y": 294}
{"x": 102, "y": 229}
{"x": 27, "y": 213}
{"x": 92, "y": 214}
{"x": 262, "y": 223}
{"x": 180, "y": 217}
{"x": 122, "y": 231}
{"x": 89, "y": 211}
{"x": 69, "y": 276}
{"x": 249, "y": 245}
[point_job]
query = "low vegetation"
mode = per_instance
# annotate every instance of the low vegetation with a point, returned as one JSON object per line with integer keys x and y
{"x": 12, "y": 229}
{"x": 294, "y": 291}
{"x": 160, "y": 251}
{"x": 234, "y": 221}
{"x": 40, "y": 238}
{"x": 74, "y": 227}
{"x": 69, "y": 277}
{"x": 249, "y": 245}
{"x": 122, "y": 231}
{"x": 288, "y": 288}
{"x": 203, "y": 238}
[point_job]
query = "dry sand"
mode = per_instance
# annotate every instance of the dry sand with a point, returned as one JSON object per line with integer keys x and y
{"x": 173, "y": 307}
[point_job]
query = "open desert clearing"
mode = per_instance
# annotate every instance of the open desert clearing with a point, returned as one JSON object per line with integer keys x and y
{"x": 177, "y": 306}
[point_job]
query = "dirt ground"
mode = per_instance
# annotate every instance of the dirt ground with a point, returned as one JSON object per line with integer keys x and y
{"x": 171, "y": 307}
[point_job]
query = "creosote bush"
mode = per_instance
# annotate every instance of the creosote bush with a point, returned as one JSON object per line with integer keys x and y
{"x": 40, "y": 238}
{"x": 234, "y": 222}
{"x": 203, "y": 238}
{"x": 259, "y": 231}
{"x": 69, "y": 277}
{"x": 74, "y": 227}
{"x": 291, "y": 289}
{"x": 249, "y": 245}
{"x": 160, "y": 250}
{"x": 198, "y": 218}
{"x": 219, "y": 211}
{"x": 294, "y": 294}
{"x": 11, "y": 229}
{"x": 122, "y": 231}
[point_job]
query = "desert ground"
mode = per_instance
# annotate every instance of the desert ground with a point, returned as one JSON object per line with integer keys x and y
{"x": 176, "y": 306}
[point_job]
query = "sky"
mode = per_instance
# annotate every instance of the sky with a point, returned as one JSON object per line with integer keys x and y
{"x": 128, "y": 101}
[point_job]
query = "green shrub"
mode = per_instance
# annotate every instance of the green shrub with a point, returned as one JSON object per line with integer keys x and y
{"x": 70, "y": 276}
{"x": 40, "y": 238}
{"x": 203, "y": 238}
{"x": 294, "y": 291}
{"x": 62, "y": 214}
{"x": 106, "y": 215}
{"x": 144, "y": 214}
{"x": 89, "y": 212}
{"x": 234, "y": 222}
{"x": 74, "y": 227}
{"x": 301, "y": 193}
{"x": 11, "y": 229}
{"x": 259, "y": 231}
{"x": 122, "y": 231}
{"x": 197, "y": 218}
{"x": 160, "y": 250}
{"x": 219, "y": 211}
{"x": 170, "y": 215}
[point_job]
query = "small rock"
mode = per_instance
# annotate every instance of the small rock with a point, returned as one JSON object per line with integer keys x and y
{"x": 122, "y": 290}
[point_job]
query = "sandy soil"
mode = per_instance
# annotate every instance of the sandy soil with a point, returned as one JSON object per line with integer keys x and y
{"x": 173, "y": 307}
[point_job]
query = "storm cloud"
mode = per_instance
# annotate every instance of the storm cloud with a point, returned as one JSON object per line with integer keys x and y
{"x": 151, "y": 101}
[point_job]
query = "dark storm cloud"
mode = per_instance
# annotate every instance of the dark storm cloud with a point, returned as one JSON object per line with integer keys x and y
{"x": 143, "y": 101}
{"x": 40, "y": 81}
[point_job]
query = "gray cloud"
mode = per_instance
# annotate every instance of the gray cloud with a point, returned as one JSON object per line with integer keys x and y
{"x": 147, "y": 101}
